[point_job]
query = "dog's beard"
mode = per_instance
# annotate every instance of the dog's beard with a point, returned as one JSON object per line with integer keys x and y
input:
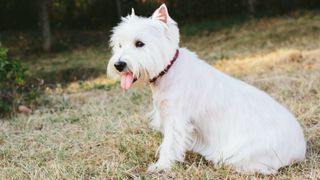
{"x": 131, "y": 77}
{"x": 140, "y": 68}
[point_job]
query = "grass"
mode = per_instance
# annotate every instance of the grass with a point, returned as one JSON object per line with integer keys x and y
{"x": 89, "y": 128}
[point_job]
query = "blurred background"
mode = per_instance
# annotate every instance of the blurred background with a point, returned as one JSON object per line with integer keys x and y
{"x": 55, "y": 25}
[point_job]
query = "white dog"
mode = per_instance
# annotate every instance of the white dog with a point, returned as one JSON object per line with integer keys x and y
{"x": 199, "y": 108}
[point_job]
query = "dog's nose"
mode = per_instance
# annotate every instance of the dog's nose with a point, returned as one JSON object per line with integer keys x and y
{"x": 120, "y": 65}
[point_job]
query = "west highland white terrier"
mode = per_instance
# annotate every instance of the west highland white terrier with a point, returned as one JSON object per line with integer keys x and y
{"x": 197, "y": 107}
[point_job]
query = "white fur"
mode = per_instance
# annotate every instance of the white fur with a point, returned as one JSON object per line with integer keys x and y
{"x": 201, "y": 109}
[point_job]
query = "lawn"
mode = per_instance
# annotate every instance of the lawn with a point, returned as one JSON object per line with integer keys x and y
{"x": 87, "y": 127}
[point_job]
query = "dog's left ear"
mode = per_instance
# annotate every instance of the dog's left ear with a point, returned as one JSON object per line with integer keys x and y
{"x": 161, "y": 14}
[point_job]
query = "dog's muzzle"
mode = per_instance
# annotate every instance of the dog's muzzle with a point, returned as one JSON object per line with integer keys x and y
{"x": 127, "y": 77}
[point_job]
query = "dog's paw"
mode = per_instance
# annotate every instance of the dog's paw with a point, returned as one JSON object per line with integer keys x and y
{"x": 157, "y": 167}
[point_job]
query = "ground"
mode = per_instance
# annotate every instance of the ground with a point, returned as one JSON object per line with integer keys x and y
{"x": 90, "y": 128}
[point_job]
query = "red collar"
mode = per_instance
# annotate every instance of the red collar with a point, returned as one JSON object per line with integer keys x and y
{"x": 165, "y": 69}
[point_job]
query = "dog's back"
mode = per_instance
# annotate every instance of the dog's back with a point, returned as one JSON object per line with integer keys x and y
{"x": 238, "y": 124}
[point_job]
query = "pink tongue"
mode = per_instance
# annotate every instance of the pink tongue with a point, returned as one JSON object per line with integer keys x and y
{"x": 126, "y": 80}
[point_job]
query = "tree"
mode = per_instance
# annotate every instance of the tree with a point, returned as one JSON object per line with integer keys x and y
{"x": 119, "y": 8}
{"x": 252, "y": 7}
{"x": 45, "y": 25}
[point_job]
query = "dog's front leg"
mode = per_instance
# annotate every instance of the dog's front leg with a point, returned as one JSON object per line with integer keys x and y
{"x": 156, "y": 122}
{"x": 174, "y": 144}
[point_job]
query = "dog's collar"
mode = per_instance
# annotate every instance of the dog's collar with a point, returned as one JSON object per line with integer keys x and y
{"x": 166, "y": 69}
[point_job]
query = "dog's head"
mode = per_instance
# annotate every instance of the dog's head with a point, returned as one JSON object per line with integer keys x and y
{"x": 142, "y": 47}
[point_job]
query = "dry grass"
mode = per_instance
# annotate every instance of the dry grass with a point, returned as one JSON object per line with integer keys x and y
{"x": 83, "y": 131}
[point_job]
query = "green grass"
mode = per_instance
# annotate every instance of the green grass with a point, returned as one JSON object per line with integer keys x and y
{"x": 89, "y": 128}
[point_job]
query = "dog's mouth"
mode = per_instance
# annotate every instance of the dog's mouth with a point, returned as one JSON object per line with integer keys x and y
{"x": 127, "y": 80}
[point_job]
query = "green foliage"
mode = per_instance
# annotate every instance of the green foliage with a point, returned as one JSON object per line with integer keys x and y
{"x": 11, "y": 77}
{"x": 13, "y": 90}
{"x": 10, "y": 70}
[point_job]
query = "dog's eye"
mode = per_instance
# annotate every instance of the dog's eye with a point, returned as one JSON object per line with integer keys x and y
{"x": 139, "y": 44}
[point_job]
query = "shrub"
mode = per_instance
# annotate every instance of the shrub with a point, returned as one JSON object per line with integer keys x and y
{"x": 13, "y": 89}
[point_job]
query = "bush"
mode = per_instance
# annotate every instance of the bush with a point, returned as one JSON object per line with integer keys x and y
{"x": 13, "y": 89}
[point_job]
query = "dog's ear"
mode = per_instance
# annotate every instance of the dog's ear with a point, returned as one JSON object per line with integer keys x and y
{"x": 132, "y": 12}
{"x": 161, "y": 14}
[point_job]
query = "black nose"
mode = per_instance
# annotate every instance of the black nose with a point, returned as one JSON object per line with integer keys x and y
{"x": 120, "y": 65}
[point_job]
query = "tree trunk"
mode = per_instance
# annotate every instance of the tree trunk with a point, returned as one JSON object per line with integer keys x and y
{"x": 252, "y": 7}
{"x": 45, "y": 25}
{"x": 119, "y": 9}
